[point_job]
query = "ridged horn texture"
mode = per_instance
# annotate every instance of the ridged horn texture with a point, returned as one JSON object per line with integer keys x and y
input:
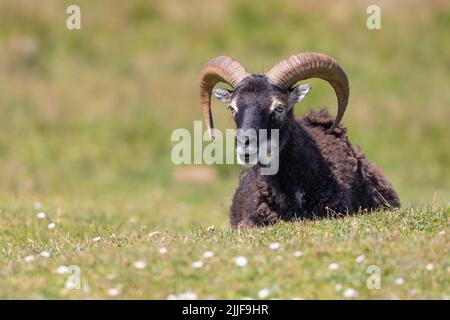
{"x": 218, "y": 69}
{"x": 307, "y": 65}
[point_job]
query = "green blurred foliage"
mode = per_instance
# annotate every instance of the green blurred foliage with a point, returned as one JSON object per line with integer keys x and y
{"x": 89, "y": 112}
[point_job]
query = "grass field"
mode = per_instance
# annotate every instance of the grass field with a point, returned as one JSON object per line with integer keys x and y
{"x": 86, "y": 117}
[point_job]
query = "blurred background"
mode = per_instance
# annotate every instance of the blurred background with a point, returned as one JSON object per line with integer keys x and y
{"x": 86, "y": 115}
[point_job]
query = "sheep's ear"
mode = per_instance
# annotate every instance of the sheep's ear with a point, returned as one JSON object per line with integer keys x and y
{"x": 222, "y": 95}
{"x": 298, "y": 93}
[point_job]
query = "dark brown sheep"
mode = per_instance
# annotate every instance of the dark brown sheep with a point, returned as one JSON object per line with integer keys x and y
{"x": 320, "y": 174}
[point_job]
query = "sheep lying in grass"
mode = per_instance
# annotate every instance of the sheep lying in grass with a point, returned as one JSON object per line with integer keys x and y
{"x": 320, "y": 172}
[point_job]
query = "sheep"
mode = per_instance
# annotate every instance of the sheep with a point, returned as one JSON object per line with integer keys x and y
{"x": 320, "y": 173}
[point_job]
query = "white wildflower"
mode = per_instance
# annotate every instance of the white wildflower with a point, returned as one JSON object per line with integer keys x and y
{"x": 298, "y": 254}
{"x": 188, "y": 295}
{"x": 263, "y": 293}
{"x": 399, "y": 281}
{"x": 41, "y": 215}
{"x": 96, "y": 239}
{"x": 163, "y": 250}
{"x": 37, "y": 205}
{"x": 350, "y": 293}
{"x": 197, "y": 264}
{"x": 113, "y": 292}
{"x": 274, "y": 246}
{"x": 62, "y": 270}
{"x": 412, "y": 292}
{"x": 51, "y": 226}
{"x": 333, "y": 266}
{"x": 28, "y": 258}
{"x": 208, "y": 254}
{"x": 139, "y": 265}
{"x": 360, "y": 259}
{"x": 241, "y": 261}
{"x": 429, "y": 267}
{"x": 45, "y": 254}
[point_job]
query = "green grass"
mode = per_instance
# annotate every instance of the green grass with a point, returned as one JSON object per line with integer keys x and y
{"x": 86, "y": 118}
{"x": 401, "y": 244}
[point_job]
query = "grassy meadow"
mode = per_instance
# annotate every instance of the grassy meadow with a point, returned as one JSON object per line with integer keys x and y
{"x": 86, "y": 117}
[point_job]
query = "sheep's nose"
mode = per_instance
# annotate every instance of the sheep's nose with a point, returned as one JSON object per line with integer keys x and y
{"x": 243, "y": 143}
{"x": 246, "y": 146}
{"x": 246, "y": 142}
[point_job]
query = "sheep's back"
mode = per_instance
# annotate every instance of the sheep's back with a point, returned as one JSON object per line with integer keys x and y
{"x": 363, "y": 180}
{"x": 334, "y": 148}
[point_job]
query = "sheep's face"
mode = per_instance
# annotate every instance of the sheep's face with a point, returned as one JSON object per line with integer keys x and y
{"x": 262, "y": 112}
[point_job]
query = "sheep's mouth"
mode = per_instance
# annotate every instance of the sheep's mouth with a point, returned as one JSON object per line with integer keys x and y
{"x": 264, "y": 154}
{"x": 249, "y": 161}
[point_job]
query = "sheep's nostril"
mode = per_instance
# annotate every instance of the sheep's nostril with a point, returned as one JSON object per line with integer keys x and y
{"x": 245, "y": 146}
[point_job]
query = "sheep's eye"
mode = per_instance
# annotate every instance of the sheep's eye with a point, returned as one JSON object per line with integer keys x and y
{"x": 233, "y": 111}
{"x": 279, "y": 108}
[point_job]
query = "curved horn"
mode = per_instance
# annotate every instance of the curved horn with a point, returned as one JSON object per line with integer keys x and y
{"x": 218, "y": 69}
{"x": 307, "y": 65}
